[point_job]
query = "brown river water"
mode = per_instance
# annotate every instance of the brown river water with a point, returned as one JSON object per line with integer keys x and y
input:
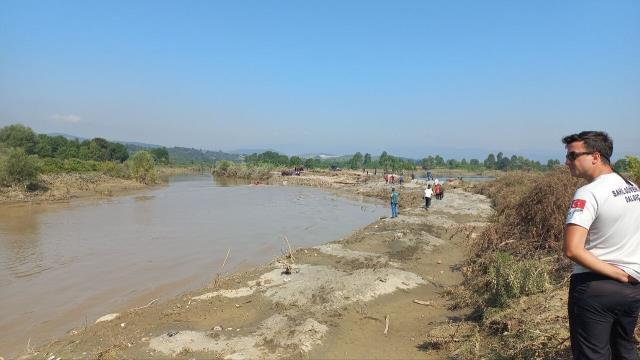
{"x": 62, "y": 265}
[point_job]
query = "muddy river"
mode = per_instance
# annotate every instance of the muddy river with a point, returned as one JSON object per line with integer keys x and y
{"x": 63, "y": 265}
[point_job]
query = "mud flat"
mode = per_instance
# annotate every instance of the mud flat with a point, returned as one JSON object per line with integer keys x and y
{"x": 373, "y": 294}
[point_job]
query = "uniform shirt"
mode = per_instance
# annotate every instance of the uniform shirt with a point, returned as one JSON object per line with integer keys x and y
{"x": 610, "y": 209}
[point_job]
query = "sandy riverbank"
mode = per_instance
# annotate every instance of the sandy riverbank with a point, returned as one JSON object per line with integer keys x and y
{"x": 334, "y": 303}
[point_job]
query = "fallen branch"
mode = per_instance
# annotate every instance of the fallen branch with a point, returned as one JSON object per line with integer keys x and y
{"x": 386, "y": 325}
{"x": 563, "y": 341}
{"x": 289, "y": 246}
{"x": 425, "y": 303}
{"x": 149, "y": 304}
{"x": 215, "y": 282}
{"x": 225, "y": 261}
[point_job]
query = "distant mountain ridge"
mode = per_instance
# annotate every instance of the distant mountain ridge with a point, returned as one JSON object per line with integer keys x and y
{"x": 250, "y": 151}
{"x": 320, "y": 156}
{"x": 67, "y": 136}
{"x": 184, "y": 155}
{"x": 177, "y": 155}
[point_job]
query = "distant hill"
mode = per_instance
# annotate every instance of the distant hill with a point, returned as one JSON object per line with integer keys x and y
{"x": 318, "y": 156}
{"x": 183, "y": 155}
{"x": 177, "y": 155}
{"x": 67, "y": 136}
{"x": 138, "y": 145}
{"x": 250, "y": 151}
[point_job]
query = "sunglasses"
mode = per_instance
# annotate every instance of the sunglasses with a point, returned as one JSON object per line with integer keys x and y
{"x": 572, "y": 155}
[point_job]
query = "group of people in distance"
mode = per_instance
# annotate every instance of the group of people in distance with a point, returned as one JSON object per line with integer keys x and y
{"x": 391, "y": 179}
{"x": 437, "y": 192}
{"x": 602, "y": 239}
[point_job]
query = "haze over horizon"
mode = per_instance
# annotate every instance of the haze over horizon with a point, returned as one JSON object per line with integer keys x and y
{"x": 414, "y": 78}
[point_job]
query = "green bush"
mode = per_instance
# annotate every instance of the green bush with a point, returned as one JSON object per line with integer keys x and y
{"x": 511, "y": 278}
{"x": 19, "y": 136}
{"x": 633, "y": 164}
{"x": 16, "y": 167}
{"x": 113, "y": 169}
{"x": 142, "y": 167}
{"x": 57, "y": 166}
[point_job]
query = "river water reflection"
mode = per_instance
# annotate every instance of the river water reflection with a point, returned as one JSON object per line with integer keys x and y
{"x": 66, "y": 263}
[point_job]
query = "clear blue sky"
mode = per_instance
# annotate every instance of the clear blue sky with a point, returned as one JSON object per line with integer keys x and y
{"x": 461, "y": 78}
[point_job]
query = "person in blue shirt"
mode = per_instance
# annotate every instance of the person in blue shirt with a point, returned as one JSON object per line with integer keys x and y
{"x": 394, "y": 202}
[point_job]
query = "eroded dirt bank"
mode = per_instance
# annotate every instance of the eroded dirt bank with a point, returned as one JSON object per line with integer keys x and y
{"x": 56, "y": 187}
{"x": 335, "y": 302}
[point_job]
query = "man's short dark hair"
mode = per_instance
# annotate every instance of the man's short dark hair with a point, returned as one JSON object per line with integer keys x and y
{"x": 598, "y": 141}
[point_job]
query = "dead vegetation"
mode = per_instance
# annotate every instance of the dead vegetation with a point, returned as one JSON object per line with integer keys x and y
{"x": 516, "y": 277}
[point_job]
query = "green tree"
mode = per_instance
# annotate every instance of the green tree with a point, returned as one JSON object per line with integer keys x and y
{"x": 356, "y": 161}
{"x": 312, "y": 163}
{"x": 296, "y": 161}
{"x": 68, "y": 150}
{"x": 427, "y": 163}
{"x": 269, "y": 157}
{"x": 45, "y": 146}
{"x": 503, "y": 163}
{"x": 161, "y": 155}
{"x": 118, "y": 152}
{"x": 490, "y": 161}
{"x": 367, "y": 160}
{"x": 621, "y": 165}
{"x": 17, "y": 167}
{"x": 385, "y": 161}
{"x": 634, "y": 168}
{"x": 19, "y": 136}
{"x": 551, "y": 163}
{"x": 142, "y": 167}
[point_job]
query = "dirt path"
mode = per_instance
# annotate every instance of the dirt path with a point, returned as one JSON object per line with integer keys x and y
{"x": 334, "y": 303}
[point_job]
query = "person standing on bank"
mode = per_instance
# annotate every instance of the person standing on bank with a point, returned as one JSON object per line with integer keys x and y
{"x": 602, "y": 238}
{"x": 427, "y": 197}
{"x": 395, "y": 197}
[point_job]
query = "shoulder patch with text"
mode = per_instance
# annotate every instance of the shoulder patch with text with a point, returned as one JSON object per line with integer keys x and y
{"x": 578, "y": 204}
{"x": 576, "y": 208}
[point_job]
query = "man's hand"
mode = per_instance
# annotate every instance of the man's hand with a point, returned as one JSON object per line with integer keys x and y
{"x": 573, "y": 247}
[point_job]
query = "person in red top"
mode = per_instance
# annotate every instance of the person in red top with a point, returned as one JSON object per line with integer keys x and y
{"x": 437, "y": 189}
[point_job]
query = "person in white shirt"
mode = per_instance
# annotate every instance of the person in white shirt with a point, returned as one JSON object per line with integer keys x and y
{"x": 427, "y": 196}
{"x": 602, "y": 238}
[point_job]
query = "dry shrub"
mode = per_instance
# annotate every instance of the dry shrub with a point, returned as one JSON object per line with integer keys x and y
{"x": 517, "y": 256}
{"x": 242, "y": 171}
{"x": 530, "y": 214}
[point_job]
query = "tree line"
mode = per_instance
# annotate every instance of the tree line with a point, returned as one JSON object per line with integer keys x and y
{"x": 25, "y": 154}
{"x": 386, "y": 162}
